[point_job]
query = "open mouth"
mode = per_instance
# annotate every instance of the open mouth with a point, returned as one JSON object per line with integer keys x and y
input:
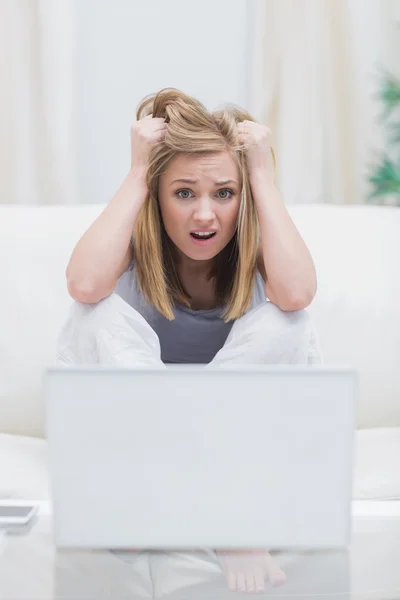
{"x": 202, "y": 236}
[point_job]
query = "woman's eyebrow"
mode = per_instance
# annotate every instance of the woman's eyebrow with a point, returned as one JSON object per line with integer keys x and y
{"x": 185, "y": 180}
{"x": 226, "y": 182}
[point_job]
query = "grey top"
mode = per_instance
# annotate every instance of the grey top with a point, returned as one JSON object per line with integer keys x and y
{"x": 194, "y": 336}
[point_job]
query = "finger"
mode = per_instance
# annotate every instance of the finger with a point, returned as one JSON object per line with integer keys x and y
{"x": 243, "y": 134}
{"x": 241, "y": 582}
{"x": 160, "y": 131}
{"x": 159, "y": 139}
{"x": 250, "y": 581}
{"x": 243, "y": 139}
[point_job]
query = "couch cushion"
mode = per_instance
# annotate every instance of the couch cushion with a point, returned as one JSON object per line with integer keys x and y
{"x": 23, "y": 468}
{"x": 35, "y": 246}
{"x": 377, "y": 470}
{"x": 356, "y": 252}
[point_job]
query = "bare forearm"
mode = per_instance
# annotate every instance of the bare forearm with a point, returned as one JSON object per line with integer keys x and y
{"x": 291, "y": 277}
{"x": 99, "y": 253}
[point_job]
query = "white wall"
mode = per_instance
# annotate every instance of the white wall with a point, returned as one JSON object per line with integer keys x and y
{"x": 130, "y": 48}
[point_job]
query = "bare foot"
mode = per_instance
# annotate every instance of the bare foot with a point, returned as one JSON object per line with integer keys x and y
{"x": 247, "y": 570}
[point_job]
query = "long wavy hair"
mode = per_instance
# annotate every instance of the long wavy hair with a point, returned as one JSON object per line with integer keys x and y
{"x": 193, "y": 130}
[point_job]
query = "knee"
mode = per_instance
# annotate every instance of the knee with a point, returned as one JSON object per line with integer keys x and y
{"x": 87, "y": 318}
{"x": 111, "y": 314}
{"x": 271, "y": 318}
{"x": 83, "y": 309}
{"x": 293, "y": 318}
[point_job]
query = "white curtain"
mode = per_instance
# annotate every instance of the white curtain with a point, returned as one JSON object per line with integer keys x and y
{"x": 314, "y": 81}
{"x": 37, "y": 110}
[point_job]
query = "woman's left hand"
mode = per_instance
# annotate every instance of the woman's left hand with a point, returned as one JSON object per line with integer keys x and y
{"x": 257, "y": 139}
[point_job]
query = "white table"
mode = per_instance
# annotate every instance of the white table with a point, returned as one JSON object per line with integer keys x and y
{"x": 31, "y": 568}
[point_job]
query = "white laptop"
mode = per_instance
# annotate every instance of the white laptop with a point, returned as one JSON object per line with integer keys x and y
{"x": 191, "y": 457}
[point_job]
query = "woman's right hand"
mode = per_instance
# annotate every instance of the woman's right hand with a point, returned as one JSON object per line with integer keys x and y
{"x": 144, "y": 134}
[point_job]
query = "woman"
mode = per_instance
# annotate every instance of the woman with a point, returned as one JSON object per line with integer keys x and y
{"x": 195, "y": 259}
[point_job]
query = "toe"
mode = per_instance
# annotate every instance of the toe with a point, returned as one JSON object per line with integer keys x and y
{"x": 259, "y": 580}
{"x": 279, "y": 578}
{"x": 250, "y": 582}
{"x": 241, "y": 582}
{"x": 275, "y": 574}
{"x": 232, "y": 581}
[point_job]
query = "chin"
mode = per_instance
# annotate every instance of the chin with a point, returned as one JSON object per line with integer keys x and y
{"x": 201, "y": 254}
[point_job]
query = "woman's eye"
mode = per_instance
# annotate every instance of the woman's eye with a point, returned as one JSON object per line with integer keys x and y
{"x": 185, "y": 197}
{"x": 230, "y": 192}
{"x": 186, "y": 194}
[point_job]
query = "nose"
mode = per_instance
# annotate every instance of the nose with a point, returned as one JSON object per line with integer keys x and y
{"x": 204, "y": 211}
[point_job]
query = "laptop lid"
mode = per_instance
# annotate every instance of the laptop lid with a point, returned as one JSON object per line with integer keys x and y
{"x": 193, "y": 457}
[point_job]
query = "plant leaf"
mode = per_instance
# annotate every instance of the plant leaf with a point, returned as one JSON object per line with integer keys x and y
{"x": 385, "y": 179}
{"x": 394, "y": 136}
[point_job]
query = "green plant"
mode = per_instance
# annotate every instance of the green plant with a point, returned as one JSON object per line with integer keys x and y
{"x": 384, "y": 175}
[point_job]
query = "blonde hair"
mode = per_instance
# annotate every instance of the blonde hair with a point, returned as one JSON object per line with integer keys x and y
{"x": 192, "y": 129}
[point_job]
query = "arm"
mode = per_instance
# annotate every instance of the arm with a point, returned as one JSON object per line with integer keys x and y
{"x": 104, "y": 251}
{"x": 286, "y": 264}
{"x": 284, "y": 260}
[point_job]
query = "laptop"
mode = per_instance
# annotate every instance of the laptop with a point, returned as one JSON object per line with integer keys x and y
{"x": 193, "y": 457}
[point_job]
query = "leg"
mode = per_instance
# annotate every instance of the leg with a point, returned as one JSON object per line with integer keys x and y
{"x": 109, "y": 332}
{"x": 268, "y": 335}
{"x": 265, "y": 335}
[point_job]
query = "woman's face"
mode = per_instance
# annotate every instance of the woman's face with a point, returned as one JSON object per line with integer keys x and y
{"x": 200, "y": 194}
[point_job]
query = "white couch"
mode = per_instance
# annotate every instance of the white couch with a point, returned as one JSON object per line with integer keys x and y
{"x": 357, "y": 254}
